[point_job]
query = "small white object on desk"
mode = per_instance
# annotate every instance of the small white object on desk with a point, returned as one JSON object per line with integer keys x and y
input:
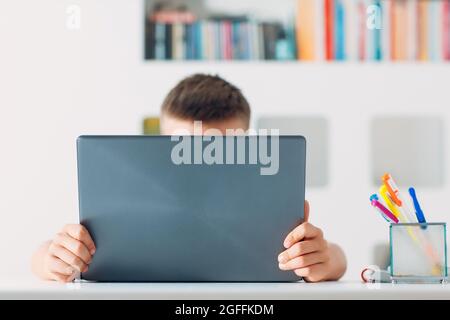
{"x": 233, "y": 291}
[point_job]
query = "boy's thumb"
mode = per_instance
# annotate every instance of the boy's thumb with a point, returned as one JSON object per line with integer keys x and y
{"x": 306, "y": 217}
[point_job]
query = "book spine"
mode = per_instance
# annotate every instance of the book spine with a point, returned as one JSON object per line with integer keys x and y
{"x": 435, "y": 30}
{"x": 362, "y": 34}
{"x": 339, "y": 31}
{"x": 206, "y": 43}
{"x": 377, "y": 32}
{"x": 235, "y": 36}
{"x": 386, "y": 23}
{"x": 291, "y": 38}
{"x": 369, "y": 39}
{"x": 446, "y": 30}
{"x": 329, "y": 29}
{"x": 168, "y": 41}
{"x": 422, "y": 32}
{"x": 254, "y": 45}
{"x": 228, "y": 41}
{"x": 351, "y": 27}
{"x": 218, "y": 54}
{"x": 160, "y": 49}
{"x": 402, "y": 29}
{"x": 412, "y": 30}
{"x": 188, "y": 42}
{"x": 247, "y": 43}
{"x": 319, "y": 31}
{"x": 212, "y": 38}
{"x": 198, "y": 38}
{"x": 305, "y": 29}
{"x": 393, "y": 30}
{"x": 432, "y": 15}
{"x": 150, "y": 41}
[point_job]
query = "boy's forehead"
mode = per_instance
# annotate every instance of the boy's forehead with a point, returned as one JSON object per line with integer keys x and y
{"x": 171, "y": 125}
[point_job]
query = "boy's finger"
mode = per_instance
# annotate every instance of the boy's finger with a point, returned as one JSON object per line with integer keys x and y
{"x": 56, "y": 265}
{"x": 312, "y": 273}
{"x": 61, "y": 277}
{"x": 299, "y": 249}
{"x": 79, "y": 232}
{"x": 76, "y": 247}
{"x": 68, "y": 257}
{"x": 304, "y": 261}
{"x": 306, "y": 217}
{"x": 304, "y": 231}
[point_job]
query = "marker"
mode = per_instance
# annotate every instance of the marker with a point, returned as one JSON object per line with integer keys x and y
{"x": 382, "y": 209}
{"x": 392, "y": 188}
{"x": 419, "y": 213}
{"x": 384, "y": 195}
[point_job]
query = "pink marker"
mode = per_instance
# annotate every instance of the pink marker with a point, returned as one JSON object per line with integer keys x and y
{"x": 384, "y": 211}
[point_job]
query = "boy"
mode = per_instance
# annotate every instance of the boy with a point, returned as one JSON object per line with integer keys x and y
{"x": 219, "y": 105}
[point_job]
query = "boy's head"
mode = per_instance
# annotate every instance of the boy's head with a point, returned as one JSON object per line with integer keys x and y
{"x": 210, "y": 99}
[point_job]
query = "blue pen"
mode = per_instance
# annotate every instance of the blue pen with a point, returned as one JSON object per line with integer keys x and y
{"x": 419, "y": 212}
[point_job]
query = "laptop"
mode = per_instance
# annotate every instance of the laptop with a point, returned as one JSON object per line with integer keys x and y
{"x": 190, "y": 208}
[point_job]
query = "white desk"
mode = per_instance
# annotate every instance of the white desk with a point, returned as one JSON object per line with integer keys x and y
{"x": 192, "y": 291}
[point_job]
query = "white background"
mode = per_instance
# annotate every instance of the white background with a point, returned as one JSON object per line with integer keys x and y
{"x": 56, "y": 84}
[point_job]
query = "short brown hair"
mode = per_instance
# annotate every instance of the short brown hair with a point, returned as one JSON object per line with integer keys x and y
{"x": 206, "y": 98}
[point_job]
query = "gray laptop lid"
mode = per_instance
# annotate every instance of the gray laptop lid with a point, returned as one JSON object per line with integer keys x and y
{"x": 154, "y": 220}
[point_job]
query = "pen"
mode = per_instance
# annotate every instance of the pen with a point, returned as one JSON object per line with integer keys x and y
{"x": 382, "y": 209}
{"x": 419, "y": 212}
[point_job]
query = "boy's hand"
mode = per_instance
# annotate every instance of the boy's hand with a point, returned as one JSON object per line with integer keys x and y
{"x": 308, "y": 253}
{"x": 71, "y": 250}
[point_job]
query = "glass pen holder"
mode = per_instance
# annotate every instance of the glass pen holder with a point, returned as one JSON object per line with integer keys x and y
{"x": 418, "y": 252}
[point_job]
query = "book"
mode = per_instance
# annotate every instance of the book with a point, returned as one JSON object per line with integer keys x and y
{"x": 368, "y": 27}
{"x": 386, "y": 23}
{"x": 329, "y": 29}
{"x": 189, "y": 41}
{"x": 398, "y": 30}
{"x": 247, "y": 50}
{"x": 422, "y": 30}
{"x": 262, "y": 44}
{"x": 351, "y": 29}
{"x": 305, "y": 27}
{"x": 377, "y": 31}
{"x": 253, "y": 33}
{"x": 178, "y": 45}
{"x": 362, "y": 27}
{"x": 227, "y": 40}
{"x": 339, "y": 27}
{"x": 435, "y": 30}
{"x": 150, "y": 41}
{"x": 168, "y": 41}
{"x": 412, "y": 31}
{"x": 160, "y": 42}
{"x": 446, "y": 30}
{"x": 172, "y": 16}
{"x": 319, "y": 32}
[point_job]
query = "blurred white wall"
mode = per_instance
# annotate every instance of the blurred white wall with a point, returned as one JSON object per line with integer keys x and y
{"x": 56, "y": 84}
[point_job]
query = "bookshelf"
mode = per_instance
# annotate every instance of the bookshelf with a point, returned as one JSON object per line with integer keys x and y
{"x": 297, "y": 30}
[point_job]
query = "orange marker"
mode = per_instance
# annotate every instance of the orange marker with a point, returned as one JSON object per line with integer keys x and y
{"x": 392, "y": 188}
